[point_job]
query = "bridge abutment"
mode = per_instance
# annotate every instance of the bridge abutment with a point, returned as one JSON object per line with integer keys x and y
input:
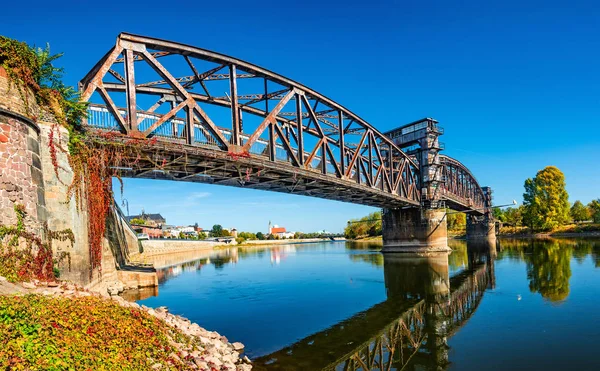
{"x": 28, "y": 178}
{"x": 414, "y": 230}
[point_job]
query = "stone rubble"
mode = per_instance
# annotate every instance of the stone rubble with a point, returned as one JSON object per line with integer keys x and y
{"x": 212, "y": 351}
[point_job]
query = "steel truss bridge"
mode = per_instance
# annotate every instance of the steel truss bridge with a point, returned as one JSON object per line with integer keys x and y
{"x": 221, "y": 120}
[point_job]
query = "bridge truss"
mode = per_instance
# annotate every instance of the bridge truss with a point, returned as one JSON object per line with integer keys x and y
{"x": 222, "y": 120}
{"x": 459, "y": 188}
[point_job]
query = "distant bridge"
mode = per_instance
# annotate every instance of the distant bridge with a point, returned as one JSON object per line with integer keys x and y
{"x": 222, "y": 120}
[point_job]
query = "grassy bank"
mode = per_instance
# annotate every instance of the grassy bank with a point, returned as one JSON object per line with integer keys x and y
{"x": 574, "y": 230}
{"x": 369, "y": 239}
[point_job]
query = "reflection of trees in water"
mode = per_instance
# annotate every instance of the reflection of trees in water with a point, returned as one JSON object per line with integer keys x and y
{"x": 375, "y": 259}
{"x": 459, "y": 257}
{"x": 549, "y": 268}
{"x": 596, "y": 254}
{"x": 582, "y": 249}
{"x": 549, "y": 262}
{"x": 366, "y": 245}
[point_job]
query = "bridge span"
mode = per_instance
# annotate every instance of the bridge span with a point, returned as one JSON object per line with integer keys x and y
{"x": 203, "y": 116}
{"x": 184, "y": 113}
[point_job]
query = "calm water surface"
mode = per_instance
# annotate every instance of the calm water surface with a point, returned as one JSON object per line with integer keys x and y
{"x": 519, "y": 304}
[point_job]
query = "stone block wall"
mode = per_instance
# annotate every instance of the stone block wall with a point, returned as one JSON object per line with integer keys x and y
{"x": 21, "y": 177}
{"x": 28, "y": 177}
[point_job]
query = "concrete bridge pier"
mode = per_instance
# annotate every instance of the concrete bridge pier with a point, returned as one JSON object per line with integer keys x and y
{"x": 482, "y": 228}
{"x": 414, "y": 230}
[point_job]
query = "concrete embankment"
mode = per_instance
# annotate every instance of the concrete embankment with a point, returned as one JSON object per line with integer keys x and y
{"x": 287, "y": 242}
{"x": 165, "y": 246}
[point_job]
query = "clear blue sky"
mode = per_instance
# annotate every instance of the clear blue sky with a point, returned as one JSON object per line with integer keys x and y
{"x": 515, "y": 84}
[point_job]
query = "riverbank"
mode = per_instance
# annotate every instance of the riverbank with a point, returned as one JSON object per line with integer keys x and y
{"x": 368, "y": 239}
{"x": 551, "y": 235}
{"x": 66, "y": 327}
{"x": 288, "y": 241}
{"x": 167, "y": 246}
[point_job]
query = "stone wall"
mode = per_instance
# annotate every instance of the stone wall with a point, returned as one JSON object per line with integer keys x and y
{"x": 27, "y": 177}
{"x": 21, "y": 178}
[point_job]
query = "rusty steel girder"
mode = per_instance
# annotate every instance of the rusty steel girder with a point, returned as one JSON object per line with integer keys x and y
{"x": 459, "y": 188}
{"x": 298, "y": 129}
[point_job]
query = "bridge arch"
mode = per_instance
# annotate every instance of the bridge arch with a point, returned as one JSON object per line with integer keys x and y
{"x": 306, "y": 142}
{"x": 459, "y": 187}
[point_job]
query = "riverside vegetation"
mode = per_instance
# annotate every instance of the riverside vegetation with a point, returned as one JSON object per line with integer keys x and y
{"x": 545, "y": 209}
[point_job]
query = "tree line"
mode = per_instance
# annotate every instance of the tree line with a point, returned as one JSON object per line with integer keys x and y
{"x": 546, "y": 204}
{"x": 545, "y": 207}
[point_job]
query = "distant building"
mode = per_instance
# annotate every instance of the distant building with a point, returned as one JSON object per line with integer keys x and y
{"x": 233, "y": 232}
{"x": 150, "y": 224}
{"x": 152, "y": 232}
{"x": 151, "y": 220}
{"x": 280, "y": 232}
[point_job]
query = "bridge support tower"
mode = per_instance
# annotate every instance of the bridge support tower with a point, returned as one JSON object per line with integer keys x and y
{"x": 482, "y": 228}
{"x": 419, "y": 229}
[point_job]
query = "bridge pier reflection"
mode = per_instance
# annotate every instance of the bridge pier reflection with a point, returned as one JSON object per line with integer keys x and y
{"x": 426, "y": 278}
{"x": 425, "y": 306}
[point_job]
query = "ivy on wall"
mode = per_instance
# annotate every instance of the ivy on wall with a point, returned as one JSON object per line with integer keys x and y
{"x": 25, "y": 256}
{"x": 32, "y": 70}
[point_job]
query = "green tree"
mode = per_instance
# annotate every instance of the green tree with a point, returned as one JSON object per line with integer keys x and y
{"x": 217, "y": 230}
{"x": 498, "y": 214}
{"x": 369, "y": 225}
{"x": 201, "y": 235}
{"x": 456, "y": 221}
{"x": 137, "y": 221}
{"x": 594, "y": 210}
{"x": 247, "y": 235}
{"x": 260, "y": 236}
{"x": 579, "y": 212}
{"x": 546, "y": 200}
{"x": 513, "y": 216}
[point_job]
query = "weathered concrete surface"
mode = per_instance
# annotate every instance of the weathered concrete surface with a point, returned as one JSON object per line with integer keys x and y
{"x": 481, "y": 228}
{"x": 63, "y": 213}
{"x": 284, "y": 242}
{"x": 414, "y": 230}
{"x": 162, "y": 246}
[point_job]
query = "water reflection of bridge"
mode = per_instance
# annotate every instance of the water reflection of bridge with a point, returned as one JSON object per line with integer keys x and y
{"x": 424, "y": 307}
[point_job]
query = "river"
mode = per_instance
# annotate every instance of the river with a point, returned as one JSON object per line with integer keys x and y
{"x": 520, "y": 304}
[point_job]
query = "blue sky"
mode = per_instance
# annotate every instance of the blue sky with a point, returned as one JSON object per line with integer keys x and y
{"x": 515, "y": 84}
